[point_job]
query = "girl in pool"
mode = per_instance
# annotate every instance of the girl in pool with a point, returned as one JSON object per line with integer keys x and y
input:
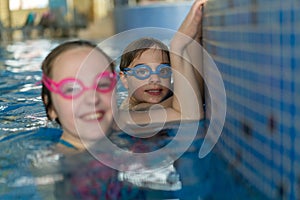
{"x": 78, "y": 82}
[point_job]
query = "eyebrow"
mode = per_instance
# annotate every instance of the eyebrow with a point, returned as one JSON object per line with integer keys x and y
{"x": 167, "y": 63}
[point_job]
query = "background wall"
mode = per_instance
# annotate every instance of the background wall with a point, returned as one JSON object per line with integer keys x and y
{"x": 162, "y": 15}
{"x": 255, "y": 45}
{"x": 4, "y": 12}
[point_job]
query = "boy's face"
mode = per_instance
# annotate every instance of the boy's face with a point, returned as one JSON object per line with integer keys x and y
{"x": 153, "y": 89}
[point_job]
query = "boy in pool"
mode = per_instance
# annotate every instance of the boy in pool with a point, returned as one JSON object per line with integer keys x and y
{"x": 145, "y": 88}
{"x": 146, "y": 68}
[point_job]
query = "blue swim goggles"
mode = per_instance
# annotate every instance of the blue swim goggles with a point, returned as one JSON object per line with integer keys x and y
{"x": 142, "y": 71}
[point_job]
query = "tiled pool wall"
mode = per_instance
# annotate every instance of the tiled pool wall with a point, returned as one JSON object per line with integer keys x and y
{"x": 163, "y": 15}
{"x": 254, "y": 45}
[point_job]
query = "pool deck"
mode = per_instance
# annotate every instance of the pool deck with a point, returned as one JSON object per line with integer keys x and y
{"x": 101, "y": 28}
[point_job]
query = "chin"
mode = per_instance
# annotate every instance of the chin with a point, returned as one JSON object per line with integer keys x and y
{"x": 156, "y": 101}
{"x": 94, "y": 138}
{"x": 94, "y": 133}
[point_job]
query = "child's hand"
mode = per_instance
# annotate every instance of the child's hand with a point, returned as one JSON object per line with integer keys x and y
{"x": 190, "y": 27}
{"x": 192, "y": 22}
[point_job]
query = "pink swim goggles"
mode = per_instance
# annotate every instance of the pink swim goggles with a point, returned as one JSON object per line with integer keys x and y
{"x": 72, "y": 88}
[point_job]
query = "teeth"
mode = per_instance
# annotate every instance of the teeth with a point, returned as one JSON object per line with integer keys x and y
{"x": 93, "y": 116}
{"x": 153, "y": 90}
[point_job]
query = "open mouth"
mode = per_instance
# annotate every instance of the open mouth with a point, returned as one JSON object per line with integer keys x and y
{"x": 154, "y": 92}
{"x": 94, "y": 116}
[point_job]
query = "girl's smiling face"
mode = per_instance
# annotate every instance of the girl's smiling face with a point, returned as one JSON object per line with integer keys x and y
{"x": 153, "y": 89}
{"x": 87, "y": 117}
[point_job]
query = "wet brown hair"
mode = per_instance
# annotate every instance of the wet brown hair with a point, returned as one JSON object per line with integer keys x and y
{"x": 47, "y": 66}
{"x": 138, "y": 47}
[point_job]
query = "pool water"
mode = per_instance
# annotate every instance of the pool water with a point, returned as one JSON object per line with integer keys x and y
{"x": 29, "y": 166}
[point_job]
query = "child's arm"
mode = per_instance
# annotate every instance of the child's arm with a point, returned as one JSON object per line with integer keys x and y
{"x": 186, "y": 60}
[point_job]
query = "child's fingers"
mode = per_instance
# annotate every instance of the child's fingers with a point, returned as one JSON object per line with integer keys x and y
{"x": 197, "y": 8}
{"x": 200, "y": 2}
{"x": 192, "y": 22}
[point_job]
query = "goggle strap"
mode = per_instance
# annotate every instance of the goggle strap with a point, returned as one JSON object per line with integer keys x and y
{"x": 48, "y": 83}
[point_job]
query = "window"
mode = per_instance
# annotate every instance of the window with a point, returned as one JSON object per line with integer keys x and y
{"x": 25, "y": 4}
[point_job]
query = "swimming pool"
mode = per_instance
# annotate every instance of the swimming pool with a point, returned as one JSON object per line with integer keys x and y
{"x": 28, "y": 165}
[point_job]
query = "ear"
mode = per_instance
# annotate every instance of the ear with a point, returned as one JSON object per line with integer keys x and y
{"x": 123, "y": 79}
{"x": 51, "y": 113}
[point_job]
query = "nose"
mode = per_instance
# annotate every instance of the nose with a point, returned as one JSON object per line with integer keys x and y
{"x": 154, "y": 78}
{"x": 92, "y": 97}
